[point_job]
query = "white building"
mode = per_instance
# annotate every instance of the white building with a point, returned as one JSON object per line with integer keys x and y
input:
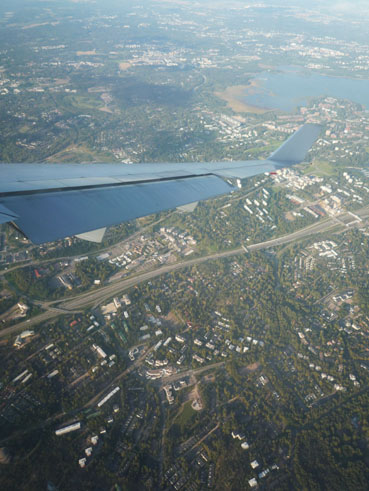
{"x": 68, "y": 429}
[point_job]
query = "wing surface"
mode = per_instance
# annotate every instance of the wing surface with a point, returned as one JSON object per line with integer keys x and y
{"x": 6, "y": 215}
{"x": 44, "y": 217}
{"x": 52, "y": 201}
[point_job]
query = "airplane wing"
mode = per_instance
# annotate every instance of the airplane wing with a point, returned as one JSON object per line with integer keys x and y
{"x": 52, "y": 201}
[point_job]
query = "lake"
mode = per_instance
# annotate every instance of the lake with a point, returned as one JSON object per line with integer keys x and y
{"x": 293, "y": 86}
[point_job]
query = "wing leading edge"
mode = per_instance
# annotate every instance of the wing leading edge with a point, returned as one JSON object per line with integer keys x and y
{"x": 52, "y": 201}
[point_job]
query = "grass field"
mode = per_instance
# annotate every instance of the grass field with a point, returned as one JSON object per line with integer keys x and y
{"x": 77, "y": 103}
{"x": 321, "y": 168}
{"x": 273, "y": 145}
{"x": 80, "y": 153}
{"x": 185, "y": 416}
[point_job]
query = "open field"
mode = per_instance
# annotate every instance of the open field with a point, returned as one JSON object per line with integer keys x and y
{"x": 86, "y": 53}
{"x": 81, "y": 153}
{"x": 321, "y": 168}
{"x": 124, "y": 65}
{"x": 185, "y": 415}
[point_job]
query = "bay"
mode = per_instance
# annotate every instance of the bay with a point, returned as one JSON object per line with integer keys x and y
{"x": 293, "y": 86}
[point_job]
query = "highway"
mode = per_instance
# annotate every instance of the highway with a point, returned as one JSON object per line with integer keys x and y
{"x": 96, "y": 297}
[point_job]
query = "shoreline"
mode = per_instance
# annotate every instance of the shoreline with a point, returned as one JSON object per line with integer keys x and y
{"x": 233, "y": 94}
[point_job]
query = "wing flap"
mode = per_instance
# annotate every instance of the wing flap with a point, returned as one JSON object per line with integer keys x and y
{"x": 6, "y": 215}
{"x": 48, "y": 216}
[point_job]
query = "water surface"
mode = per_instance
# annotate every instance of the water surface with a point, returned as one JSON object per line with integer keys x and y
{"x": 293, "y": 86}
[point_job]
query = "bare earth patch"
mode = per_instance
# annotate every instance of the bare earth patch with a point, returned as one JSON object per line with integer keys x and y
{"x": 72, "y": 151}
{"x": 105, "y": 110}
{"x": 61, "y": 81}
{"x": 194, "y": 396}
{"x": 31, "y": 26}
{"x": 124, "y": 65}
{"x": 250, "y": 368}
{"x": 92, "y": 90}
{"x": 289, "y": 216}
{"x": 86, "y": 53}
{"x": 174, "y": 318}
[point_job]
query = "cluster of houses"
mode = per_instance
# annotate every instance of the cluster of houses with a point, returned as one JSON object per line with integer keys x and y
{"x": 236, "y": 435}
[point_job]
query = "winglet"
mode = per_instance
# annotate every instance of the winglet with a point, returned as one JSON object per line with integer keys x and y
{"x": 294, "y": 150}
